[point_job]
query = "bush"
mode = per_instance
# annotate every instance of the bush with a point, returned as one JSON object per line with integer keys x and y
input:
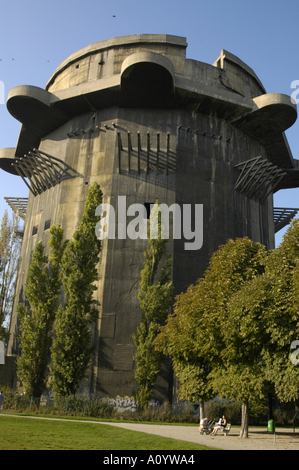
{"x": 97, "y": 407}
{"x": 83, "y": 406}
{"x": 9, "y": 398}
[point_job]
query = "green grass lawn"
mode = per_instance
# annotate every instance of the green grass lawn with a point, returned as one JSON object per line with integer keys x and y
{"x": 34, "y": 434}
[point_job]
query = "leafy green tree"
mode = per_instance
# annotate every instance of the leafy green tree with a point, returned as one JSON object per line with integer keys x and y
{"x": 10, "y": 245}
{"x": 266, "y": 314}
{"x": 42, "y": 292}
{"x": 242, "y": 318}
{"x": 155, "y": 296}
{"x": 210, "y": 336}
{"x": 281, "y": 315}
{"x": 247, "y": 338}
{"x": 71, "y": 350}
{"x": 179, "y": 340}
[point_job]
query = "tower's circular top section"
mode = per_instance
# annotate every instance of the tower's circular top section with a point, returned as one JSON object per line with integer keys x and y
{"x": 151, "y": 71}
{"x": 104, "y": 59}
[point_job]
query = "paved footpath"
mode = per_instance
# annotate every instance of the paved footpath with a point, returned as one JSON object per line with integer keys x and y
{"x": 259, "y": 439}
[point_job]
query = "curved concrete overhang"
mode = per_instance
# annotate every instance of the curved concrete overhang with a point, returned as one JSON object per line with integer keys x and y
{"x": 7, "y": 157}
{"x": 147, "y": 56}
{"x": 277, "y": 109}
{"x": 87, "y": 97}
{"x": 270, "y": 116}
{"x": 31, "y": 106}
{"x": 147, "y": 81}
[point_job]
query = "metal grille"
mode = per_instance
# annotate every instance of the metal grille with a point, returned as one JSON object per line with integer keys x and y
{"x": 43, "y": 171}
{"x": 18, "y": 205}
{"x": 282, "y": 216}
{"x": 258, "y": 178}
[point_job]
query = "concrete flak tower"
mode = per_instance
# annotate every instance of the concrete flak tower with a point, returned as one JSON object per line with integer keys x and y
{"x": 135, "y": 115}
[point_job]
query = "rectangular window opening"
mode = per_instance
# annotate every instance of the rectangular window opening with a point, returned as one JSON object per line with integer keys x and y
{"x": 147, "y": 206}
{"x": 47, "y": 224}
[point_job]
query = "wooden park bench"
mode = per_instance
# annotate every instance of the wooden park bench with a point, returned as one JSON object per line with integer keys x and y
{"x": 224, "y": 431}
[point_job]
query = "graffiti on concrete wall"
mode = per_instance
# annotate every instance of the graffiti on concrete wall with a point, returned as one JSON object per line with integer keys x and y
{"x": 127, "y": 403}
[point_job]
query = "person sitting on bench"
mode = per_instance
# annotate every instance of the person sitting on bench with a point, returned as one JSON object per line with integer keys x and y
{"x": 220, "y": 425}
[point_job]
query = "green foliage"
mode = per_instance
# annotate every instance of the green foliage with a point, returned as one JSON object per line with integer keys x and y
{"x": 71, "y": 350}
{"x": 242, "y": 381}
{"x": 179, "y": 339}
{"x": 193, "y": 381}
{"x": 203, "y": 336}
{"x": 36, "y": 323}
{"x": 10, "y": 245}
{"x": 155, "y": 296}
{"x": 148, "y": 361}
{"x": 258, "y": 412}
{"x": 281, "y": 315}
{"x": 266, "y": 312}
{"x": 238, "y": 323}
{"x": 10, "y": 397}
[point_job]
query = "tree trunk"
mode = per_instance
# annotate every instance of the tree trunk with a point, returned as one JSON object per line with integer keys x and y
{"x": 201, "y": 410}
{"x": 244, "y": 423}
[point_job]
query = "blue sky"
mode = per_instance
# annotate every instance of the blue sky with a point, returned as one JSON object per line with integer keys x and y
{"x": 37, "y": 35}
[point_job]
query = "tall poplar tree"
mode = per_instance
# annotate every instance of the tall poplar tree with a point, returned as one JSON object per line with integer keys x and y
{"x": 10, "y": 244}
{"x": 155, "y": 296}
{"x": 71, "y": 351}
{"x": 36, "y": 320}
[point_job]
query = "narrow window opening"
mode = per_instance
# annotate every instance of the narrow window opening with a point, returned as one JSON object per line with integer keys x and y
{"x": 147, "y": 206}
{"x": 47, "y": 224}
